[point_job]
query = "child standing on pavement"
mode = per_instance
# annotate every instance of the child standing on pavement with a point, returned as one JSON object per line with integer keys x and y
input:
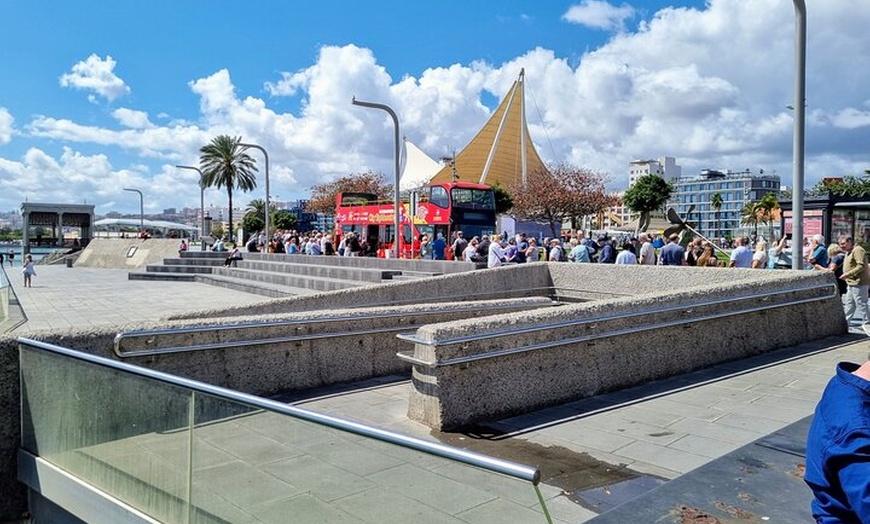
{"x": 28, "y": 270}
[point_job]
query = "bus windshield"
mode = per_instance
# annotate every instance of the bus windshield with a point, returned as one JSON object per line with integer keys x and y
{"x": 472, "y": 198}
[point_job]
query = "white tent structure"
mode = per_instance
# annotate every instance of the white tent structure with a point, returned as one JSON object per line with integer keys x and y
{"x": 419, "y": 168}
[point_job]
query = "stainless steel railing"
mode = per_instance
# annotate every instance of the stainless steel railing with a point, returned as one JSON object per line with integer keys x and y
{"x": 120, "y": 337}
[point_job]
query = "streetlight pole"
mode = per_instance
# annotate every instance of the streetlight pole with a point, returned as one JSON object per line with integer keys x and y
{"x": 141, "y": 208}
{"x": 266, "y": 155}
{"x": 201, "y": 206}
{"x": 797, "y": 197}
{"x": 396, "y": 197}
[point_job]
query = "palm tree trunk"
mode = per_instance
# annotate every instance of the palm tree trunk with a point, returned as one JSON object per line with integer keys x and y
{"x": 230, "y": 211}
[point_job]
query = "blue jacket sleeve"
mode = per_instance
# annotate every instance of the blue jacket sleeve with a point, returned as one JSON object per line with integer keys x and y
{"x": 854, "y": 473}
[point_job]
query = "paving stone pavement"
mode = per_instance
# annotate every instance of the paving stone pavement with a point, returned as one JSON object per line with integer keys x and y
{"x": 662, "y": 429}
{"x": 65, "y": 298}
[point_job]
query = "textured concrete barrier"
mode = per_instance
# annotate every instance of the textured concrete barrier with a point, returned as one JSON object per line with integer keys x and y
{"x": 126, "y": 253}
{"x": 522, "y": 280}
{"x": 676, "y": 320}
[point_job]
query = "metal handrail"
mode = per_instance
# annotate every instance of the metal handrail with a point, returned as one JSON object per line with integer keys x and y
{"x": 408, "y": 356}
{"x": 279, "y": 323}
{"x": 497, "y": 465}
{"x": 256, "y": 342}
{"x": 503, "y": 294}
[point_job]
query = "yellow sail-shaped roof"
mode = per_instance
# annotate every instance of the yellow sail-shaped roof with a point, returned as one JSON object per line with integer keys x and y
{"x": 502, "y": 151}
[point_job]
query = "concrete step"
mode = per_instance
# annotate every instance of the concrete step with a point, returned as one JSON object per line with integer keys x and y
{"x": 194, "y": 261}
{"x": 375, "y": 275}
{"x": 175, "y": 277}
{"x": 291, "y": 280}
{"x": 252, "y": 286}
{"x": 158, "y": 268}
{"x": 414, "y": 275}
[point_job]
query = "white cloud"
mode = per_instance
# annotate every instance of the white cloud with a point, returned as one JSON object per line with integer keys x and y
{"x": 708, "y": 86}
{"x": 97, "y": 75}
{"x": 132, "y": 118}
{"x": 39, "y": 177}
{"x": 6, "y": 121}
{"x": 598, "y": 14}
{"x": 851, "y": 118}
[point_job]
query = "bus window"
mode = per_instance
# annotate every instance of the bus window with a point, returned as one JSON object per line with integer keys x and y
{"x": 406, "y": 234}
{"x": 438, "y": 196}
{"x": 472, "y": 198}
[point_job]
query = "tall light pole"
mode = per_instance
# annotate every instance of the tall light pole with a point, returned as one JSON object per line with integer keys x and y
{"x": 201, "y": 205}
{"x": 141, "y": 208}
{"x": 800, "y": 75}
{"x": 265, "y": 154}
{"x": 392, "y": 113}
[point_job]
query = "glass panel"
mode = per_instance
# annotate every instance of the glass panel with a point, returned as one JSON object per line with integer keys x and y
{"x": 841, "y": 224}
{"x": 473, "y": 198}
{"x": 4, "y": 296}
{"x": 184, "y": 456}
{"x": 438, "y": 196}
{"x": 862, "y": 229}
{"x": 125, "y": 435}
{"x": 259, "y": 466}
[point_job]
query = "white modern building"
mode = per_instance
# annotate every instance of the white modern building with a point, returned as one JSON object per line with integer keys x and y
{"x": 666, "y": 167}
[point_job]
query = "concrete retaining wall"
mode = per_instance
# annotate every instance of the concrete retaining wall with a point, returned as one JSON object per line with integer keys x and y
{"x": 521, "y": 280}
{"x": 112, "y": 252}
{"x": 453, "y": 394}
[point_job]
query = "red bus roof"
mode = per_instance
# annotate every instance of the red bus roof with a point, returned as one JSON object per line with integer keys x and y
{"x": 467, "y": 185}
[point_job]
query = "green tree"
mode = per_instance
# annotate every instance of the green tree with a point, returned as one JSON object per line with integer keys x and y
{"x": 254, "y": 219}
{"x": 716, "y": 204}
{"x": 284, "y": 219}
{"x": 224, "y": 163}
{"x": 649, "y": 193}
{"x": 768, "y": 211}
{"x": 503, "y": 199}
{"x": 750, "y": 215}
{"x": 852, "y": 186}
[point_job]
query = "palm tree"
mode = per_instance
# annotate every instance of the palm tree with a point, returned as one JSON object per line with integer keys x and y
{"x": 255, "y": 216}
{"x": 224, "y": 163}
{"x": 768, "y": 205}
{"x": 749, "y": 215}
{"x": 716, "y": 203}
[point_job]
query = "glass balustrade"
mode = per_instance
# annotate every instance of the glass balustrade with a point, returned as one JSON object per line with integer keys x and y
{"x": 185, "y": 452}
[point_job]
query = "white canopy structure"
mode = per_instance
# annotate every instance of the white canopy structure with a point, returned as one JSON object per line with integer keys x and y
{"x": 419, "y": 168}
{"x": 117, "y": 223}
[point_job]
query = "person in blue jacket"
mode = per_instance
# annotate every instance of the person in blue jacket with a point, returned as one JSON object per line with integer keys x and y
{"x": 439, "y": 247}
{"x": 838, "y": 448}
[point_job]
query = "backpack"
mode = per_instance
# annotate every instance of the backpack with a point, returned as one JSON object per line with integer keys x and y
{"x": 458, "y": 247}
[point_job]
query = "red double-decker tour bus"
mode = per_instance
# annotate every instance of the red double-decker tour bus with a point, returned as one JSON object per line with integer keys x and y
{"x": 442, "y": 208}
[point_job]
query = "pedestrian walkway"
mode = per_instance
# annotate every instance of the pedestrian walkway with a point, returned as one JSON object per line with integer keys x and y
{"x": 658, "y": 431}
{"x": 69, "y": 298}
{"x": 596, "y": 452}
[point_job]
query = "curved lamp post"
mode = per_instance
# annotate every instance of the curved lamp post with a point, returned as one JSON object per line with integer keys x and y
{"x": 201, "y": 205}
{"x": 797, "y": 206}
{"x": 392, "y": 113}
{"x": 266, "y": 221}
{"x": 141, "y": 207}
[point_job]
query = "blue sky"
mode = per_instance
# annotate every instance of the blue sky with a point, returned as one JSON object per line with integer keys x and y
{"x": 99, "y": 96}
